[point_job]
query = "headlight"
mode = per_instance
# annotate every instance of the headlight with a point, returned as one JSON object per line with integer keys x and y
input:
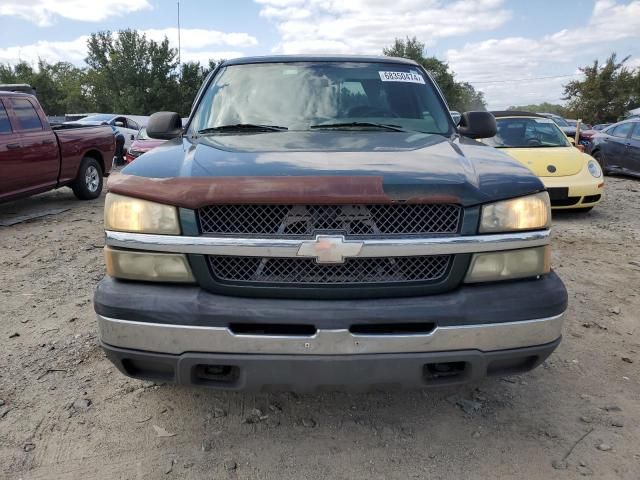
{"x": 147, "y": 266}
{"x": 509, "y": 265}
{"x": 525, "y": 213}
{"x": 126, "y": 214}
{"x": 594, "y": 169}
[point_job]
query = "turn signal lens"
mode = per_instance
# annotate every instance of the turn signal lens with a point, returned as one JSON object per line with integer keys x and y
{"x": 525, "y": 213}
{"x": 509, "y": 265}
{"x": 126, "y": 214}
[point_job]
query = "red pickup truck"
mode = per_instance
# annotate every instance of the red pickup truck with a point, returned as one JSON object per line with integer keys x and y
{"x": 36, "y": 157}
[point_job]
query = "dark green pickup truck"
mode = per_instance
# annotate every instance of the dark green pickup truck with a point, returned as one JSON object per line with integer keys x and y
{"x": 321, "y": 222}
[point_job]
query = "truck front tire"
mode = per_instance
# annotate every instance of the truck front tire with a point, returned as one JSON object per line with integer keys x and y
{"x": 88, "y": 183}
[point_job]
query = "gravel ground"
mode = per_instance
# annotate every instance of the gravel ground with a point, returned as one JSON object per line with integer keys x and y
{"x": 66, "y": 412}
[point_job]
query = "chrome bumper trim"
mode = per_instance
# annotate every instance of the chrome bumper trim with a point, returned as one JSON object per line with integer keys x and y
{"x": 178, "y": 339}
{"x": 261, "y": 247}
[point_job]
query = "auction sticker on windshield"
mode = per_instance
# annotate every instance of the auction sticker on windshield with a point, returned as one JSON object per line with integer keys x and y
{"x": 401, "y": 77}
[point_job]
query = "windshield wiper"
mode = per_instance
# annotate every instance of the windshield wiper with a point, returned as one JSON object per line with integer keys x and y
{"x": 239, "y": 127}
{"x": 384, "y": 126}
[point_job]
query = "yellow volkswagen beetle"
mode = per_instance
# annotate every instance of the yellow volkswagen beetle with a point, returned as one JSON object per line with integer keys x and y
{"x": 573, "y": 179}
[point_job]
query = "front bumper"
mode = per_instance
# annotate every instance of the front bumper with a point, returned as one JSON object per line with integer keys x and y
{"x": 182, "y": 334}
{"x": 583, "y": 191}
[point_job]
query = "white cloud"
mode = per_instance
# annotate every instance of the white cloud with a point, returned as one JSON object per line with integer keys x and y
{"x": 366, "y": 26}
{"x": 45, "y": 12}
{"x": 73, "y": 51}
{"x": 199, "y": 37}
{"x": 550, "y": 55}
{"x": 196, "y": 44}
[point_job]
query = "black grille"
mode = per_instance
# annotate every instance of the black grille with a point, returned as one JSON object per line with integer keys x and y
{"x": 305, "y": 220}
{"x": 591, "y": 198}
{"x": 565, "y": 202}
{"x": 307, "y": 271}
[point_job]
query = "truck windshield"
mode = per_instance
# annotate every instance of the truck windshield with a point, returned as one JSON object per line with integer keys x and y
{"x": 321, "y": 95}
{"x": 527, "y": 132}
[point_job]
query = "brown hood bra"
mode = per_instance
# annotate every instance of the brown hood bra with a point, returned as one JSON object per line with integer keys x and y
{"x": 196, "y": 192}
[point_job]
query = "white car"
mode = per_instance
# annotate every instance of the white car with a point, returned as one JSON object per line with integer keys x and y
{"x": 125, "y": 125}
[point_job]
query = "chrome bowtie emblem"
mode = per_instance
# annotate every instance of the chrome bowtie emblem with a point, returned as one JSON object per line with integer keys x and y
{"x": 329, "y": 249}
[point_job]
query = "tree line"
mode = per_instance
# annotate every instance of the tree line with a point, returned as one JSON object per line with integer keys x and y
{"x": 129, "y": 73}
{"x": 126, "y": 72}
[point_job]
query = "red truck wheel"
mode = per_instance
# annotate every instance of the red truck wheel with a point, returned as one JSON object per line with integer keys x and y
{"x": 88, "y": 183}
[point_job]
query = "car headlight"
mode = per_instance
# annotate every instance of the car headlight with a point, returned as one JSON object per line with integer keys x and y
{"x": 594, "y": 169}
{"x": 509, "y": 265}
{"x": 126, "y": 214}
{"x": 147, "y": 266}
{"x": 524, "y": 213}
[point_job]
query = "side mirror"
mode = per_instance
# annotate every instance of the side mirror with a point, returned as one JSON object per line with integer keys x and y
{"x": 133, "y": 137}
{"x": 572, "y": 141}
{"x": 119, "y": 124}
{"x": 164, "y": 125}
{"x": 477, "y": 125}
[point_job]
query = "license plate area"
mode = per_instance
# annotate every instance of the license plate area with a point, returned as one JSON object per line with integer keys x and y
{"x": 558, "y": 193}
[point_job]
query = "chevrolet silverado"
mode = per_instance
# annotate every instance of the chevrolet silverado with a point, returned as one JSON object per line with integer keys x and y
{"x": 321, "y": 222}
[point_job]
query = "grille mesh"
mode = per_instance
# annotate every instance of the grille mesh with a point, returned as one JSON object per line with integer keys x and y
{"x": 304, "y": 220}
{"x": 307, "y": 271}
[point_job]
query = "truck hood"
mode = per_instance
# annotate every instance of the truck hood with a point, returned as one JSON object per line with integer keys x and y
{"x": 550, "y": 162}
{"x": 404, "y": 166}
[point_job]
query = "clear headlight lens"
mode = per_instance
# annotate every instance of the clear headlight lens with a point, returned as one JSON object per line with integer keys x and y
{"x": 594, "y": 169}
{"x": 509, "y": 265}
{"x": 524, "y": 213}
{"x": 126, "y": 214}
{"x": 147, "y": 266}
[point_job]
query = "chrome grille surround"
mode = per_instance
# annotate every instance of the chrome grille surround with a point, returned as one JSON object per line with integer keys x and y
{"x": 373, "y": 249}
{"x": 306, "y": 271}
{"x": 352, "y": 220}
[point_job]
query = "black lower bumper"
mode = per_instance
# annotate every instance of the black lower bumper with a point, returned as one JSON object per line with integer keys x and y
{"x": 306, "y": 373}
{"x": 467, "y": 305}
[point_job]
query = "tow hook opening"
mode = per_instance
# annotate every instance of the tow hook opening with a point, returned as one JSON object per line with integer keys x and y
{"x": 442, "y": 372}
{"x": 216, "y": 374}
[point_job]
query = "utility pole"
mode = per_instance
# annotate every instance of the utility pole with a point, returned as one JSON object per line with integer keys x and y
{"x": 179, "y": 49}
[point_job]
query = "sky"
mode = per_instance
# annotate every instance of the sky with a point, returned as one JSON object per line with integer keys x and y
{"x": 515, "y": 51}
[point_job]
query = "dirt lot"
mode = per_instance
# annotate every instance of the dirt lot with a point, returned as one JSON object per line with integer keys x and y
{"x": 65, "y": 412}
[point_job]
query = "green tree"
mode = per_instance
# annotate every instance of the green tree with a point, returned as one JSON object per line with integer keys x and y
{"x": 460, "y": 96}
{"x": 7, "y": 74}
{"x": 59, "y": 86}
{"x": 606, "y": 93}
{"x": 131, "y": 74}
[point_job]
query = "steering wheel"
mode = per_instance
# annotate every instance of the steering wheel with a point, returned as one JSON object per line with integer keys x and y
{"x": 534, "y": 142}
{"x": 369, "y": 111}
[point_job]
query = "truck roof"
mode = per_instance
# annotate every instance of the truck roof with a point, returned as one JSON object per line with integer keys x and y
{"x": 14, "y": 94}
{"x": 318, "y": 58}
